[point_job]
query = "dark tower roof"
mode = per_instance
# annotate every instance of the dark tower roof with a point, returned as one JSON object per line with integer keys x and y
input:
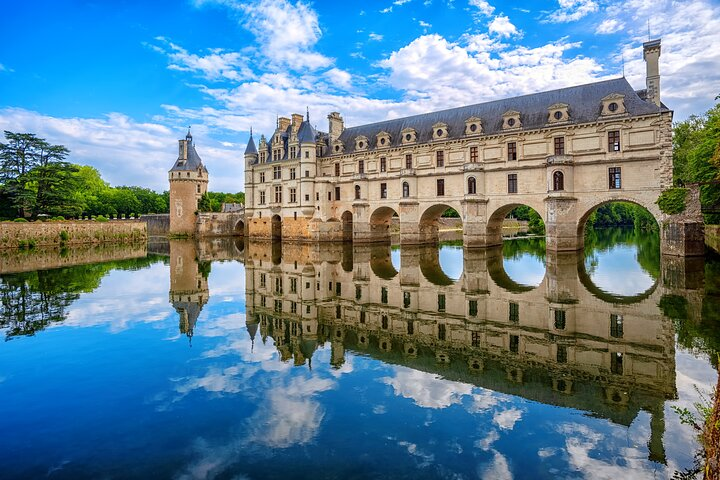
{"x": 193, "y": 161}
{"x": 306, "y": 133}
{"x": 251, "y": 149}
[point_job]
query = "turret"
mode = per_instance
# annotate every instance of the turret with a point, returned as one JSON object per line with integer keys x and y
{"x": 188, "y": 182}
{"x": 188, "y": 285}
{"x": 651, "y": 54}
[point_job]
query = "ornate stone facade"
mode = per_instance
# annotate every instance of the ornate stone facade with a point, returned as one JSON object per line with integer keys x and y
{"x": 563, "y": 153}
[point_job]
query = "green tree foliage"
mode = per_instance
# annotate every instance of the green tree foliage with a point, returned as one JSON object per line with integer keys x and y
{"x": 212, "y": 201}
{"x": 696, "y": 156}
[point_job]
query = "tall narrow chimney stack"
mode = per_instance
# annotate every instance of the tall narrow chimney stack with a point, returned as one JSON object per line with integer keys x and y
{"x": 651, "y": 54}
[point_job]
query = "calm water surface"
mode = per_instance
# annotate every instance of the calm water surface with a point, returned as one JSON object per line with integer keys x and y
{"x": 231, "y": 360}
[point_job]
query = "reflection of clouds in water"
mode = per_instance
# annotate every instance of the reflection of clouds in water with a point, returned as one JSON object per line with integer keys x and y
{"x": 580, "y": 441}
{"x": 486, "y": 442}
{"x": 506, "y": 419}
{"x": 497, "y": 469}
{"x": 426, "y": 389}
{"x": 451, "y": 261}
{"x": 619, "y": 272}
{"x": 525, "y": 270}
{"x": 123, "y": 299}
{"x": 227, "y": 279}
{"x": 395, "y": 258}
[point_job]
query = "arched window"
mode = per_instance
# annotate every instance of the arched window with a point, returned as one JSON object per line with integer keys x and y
{"x": 558, "y": 181}
{"x": 357, "y": 192}
{"x": 471, "y": 186}
{"x": 406, "y": 189}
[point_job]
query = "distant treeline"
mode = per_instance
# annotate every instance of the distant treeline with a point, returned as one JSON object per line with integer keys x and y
{"x": 36, "y": 180}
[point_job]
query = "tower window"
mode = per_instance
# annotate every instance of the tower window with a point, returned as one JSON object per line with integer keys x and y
{"x": 558, "y": 181}
{"x": 337, "y": 169}
{"x": 512, "y": 183}
{"x": 405, "y": 189}
{"x": 383, "y": 164}
{"x": 560, "y": 319}
{"x": 471, "y": 186}
{"x": 614, "y": 179}
{"x": 440, "y": 157}
{"x": 361, "y": 166}
{"x": 473, "y": 154}
{"x": 357, "y": 192}
{"x": 440, "y": 187}
{"x": 383, "y": 190}
{"x": 614, "y": 141}
{"x": 514, "y": 312}
{"x": 408, "y": 161}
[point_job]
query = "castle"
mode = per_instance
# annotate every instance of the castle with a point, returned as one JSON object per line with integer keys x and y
{"x": 563, "y": 153}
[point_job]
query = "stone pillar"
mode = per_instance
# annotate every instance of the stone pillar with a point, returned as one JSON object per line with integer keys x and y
{"x": 412, "y": 232}
{"x": 683, "y": 234}
{"x": 475, "y": 271}
{"x": 561, "y": 277}
{"x": 475, "y": 218}
{"x": 410, "y": 267}
{"x": 561, "y": 228}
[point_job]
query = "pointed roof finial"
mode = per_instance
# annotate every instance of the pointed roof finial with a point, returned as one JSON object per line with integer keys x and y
{"x": 251, "y": 131}
{"x": 307, "y": 113}
{"x": 189, "y": 135}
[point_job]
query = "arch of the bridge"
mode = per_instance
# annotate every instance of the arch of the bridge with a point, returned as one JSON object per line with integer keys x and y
{"x": 239, "y": 229}
{"x": 428, "y": 225}
{"x": 498, "y": 274}
{"x": 499, "y": 212}
{"x": 347, "y": 225}
{"x": 380, "y": 220}
{"x": 588, "y": 208}
{"x": 612, "y": 298}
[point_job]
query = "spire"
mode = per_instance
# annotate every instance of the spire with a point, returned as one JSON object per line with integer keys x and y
{"x": 188, "y": 137}
{"x": 307, "y": 113}
{"x": 251, "y": 149}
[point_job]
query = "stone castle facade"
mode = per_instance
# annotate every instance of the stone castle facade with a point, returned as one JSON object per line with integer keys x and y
{"x": 563, "y": 153}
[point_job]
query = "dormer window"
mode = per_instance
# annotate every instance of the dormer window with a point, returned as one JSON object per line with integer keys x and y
{"x": 361, "y": 143}
{"x": 440, "y": 131}
{"x": 613, "y": 104}
{"x": 382, "y": 140}
{"x": 408, "y": 136}
{"x": 338, "y": 148}
{"x": 473, "y": 126}
{"x": 511, "y": 120}
{"x": 558, "y": 113}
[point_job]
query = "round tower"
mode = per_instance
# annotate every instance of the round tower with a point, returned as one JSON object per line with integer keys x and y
{"x": 188, "y": 182}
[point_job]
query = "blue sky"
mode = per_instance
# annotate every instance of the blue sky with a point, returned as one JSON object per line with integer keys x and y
{"x": 119, "y": 82}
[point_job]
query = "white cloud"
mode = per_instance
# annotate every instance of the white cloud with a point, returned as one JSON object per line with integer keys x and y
{"x": 217, "y": 65}
{"x": 572, "y": 10}
{"x": 3, "y": 68}
{"x": 386, "y": 10}
{"x": 506, "y": 419}
{"x": 424, "y": 24}
{"x": 502, "y": 27}
{"x": 609, "y": 26}
{"x": 483, "y": 6}
{"x": 375, "y": 37}
{"x": 339, "y": 78}
{"x": 401, "y": 2}
{"x": 498, "y": 468}
{"x": 426, "y": 389}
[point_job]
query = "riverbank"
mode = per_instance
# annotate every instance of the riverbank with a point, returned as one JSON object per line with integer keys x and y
{"x": 24, "y": 235}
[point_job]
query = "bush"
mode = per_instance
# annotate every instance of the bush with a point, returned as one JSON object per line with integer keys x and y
{"x": 20, "y": 220}
{"x": 64, "y": 236}
{"x": 58, "y": 218}
{"x": 672, "y": 200}
{"x": 101, "y": 218}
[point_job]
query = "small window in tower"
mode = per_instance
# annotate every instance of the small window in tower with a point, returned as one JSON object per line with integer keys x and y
{"x": 558, "y": 115}
{"x": 198, "y": 188}
{"x": 613, "y": 106}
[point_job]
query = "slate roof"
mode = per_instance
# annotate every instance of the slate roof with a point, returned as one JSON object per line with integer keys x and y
{"x": 251, "y": 149}
{"x": 193, "y": 161}
{"x": 585, "y": 105}
{"x": 306, "y": 133}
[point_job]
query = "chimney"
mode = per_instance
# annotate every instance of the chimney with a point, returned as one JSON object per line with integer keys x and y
{"x": 283, "y": 123}
{"x": 651, "y": 55}
{"x": 296, "y": 121}
{"x": 336, "y": 126}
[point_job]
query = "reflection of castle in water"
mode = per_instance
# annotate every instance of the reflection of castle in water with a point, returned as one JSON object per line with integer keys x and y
{"x": 562, "y": 343}
{"x": 558, "y": 343}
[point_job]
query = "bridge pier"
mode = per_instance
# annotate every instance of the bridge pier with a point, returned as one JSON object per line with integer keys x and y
{"x": 561, "y": 226}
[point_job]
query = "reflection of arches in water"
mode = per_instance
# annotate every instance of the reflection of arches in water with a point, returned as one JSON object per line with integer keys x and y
{"x": 239, "y": 229}
{"x": 380, "y": 221}
{"x": 276, "y": 233}
{"x": 432, "y": 269}
{"x": 347, "y": 226}
{"x": 496, "y": 220}
{"x": 651, "y": 210}
{"x": 381, "y": 263}
{"x": 596, "y": 291}
{"x": 276, "y": 252}
{"x": 347, "y": 257}
{"x": 239, "y": 244}
{"x": 496, "y": 270}
{"x": 430, "y": 220}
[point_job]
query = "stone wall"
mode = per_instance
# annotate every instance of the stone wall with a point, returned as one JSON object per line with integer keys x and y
{"x": 157, "y": 225}
{"x": 38, "y": 234}
{"x": 213, "y": 224}
{"x": 45, "y": 258}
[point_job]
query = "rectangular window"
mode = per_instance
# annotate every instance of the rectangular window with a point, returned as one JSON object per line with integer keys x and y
{"x": 614, "y": 141}
{"x": 410, "y": 327}
{"x": 278, "y": 306}
{"x": 292, "y": 174}
{"x": 307, "y": 173}
{"x": 441, "y": 302}
{"x": 361, "y": 166}
{"x": 383, "y": 164}
{"x": 262, "y": 177}
{"x": 559, "y": 145}
{"x": 329, "y": 196}
{"x": 440, "y": 158}
{"x": 472, "y": 308}
{"x": 292, "y": 152}
{"x": 337, "y": 193}
{"x": 262, "y": 198}
{"x": 383, "y": 190}
{"x": 277, "y": 173}
{"x": 475, "y": 339}
{"x": 278, "y": 285}
{"x": 560, "y": 319}
{"x": 408, "y": 161}
{"x": 514, "y": 312}
{"x": 616, "y": 325}
{"x": 512, "y": 150}
{"x": 383, "y": 295}
{"x": 512, "y": 183}
{"x": 384, "y": 322}
{"x": 293, "y": 195}
{"x": 561, "y": 354}
{"x": 362, "y": 316}
{"x": 406, "y": 299}
{"x": 293, "y": 285}
{"x": 440, "y": 187}
{"x": 263, "y": 280}
{"x": 293, "y": 307}
{"x": 338, "y": 289}
{"x": 616, "y": 363}
{"x": 338, "y": 311}
{"x": 307, "y": 197}
{"x": 278, "y": 193}
{"x": 358, "y": 292}
{"x": 514, "y": 343}
{"x": 473, "y": 154}
{"x": 614, "y": 179}
{"x": 441, "y": 331}
{"x": 337, "y": 169}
